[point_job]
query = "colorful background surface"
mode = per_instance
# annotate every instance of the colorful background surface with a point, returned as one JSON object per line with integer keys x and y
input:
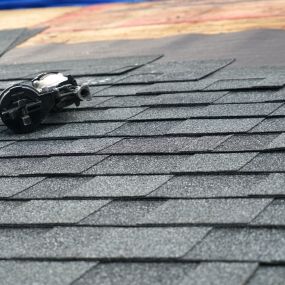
{"x": 151, "y": 19}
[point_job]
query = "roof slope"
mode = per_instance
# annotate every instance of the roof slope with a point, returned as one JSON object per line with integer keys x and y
{"x": 173, "y": 174}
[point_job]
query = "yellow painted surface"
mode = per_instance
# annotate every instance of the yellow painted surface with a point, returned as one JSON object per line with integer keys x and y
{"x": 12, "y": 19}
{"x": 146, "y": 20}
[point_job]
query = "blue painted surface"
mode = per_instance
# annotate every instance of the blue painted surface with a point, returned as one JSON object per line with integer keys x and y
{"x": 17, "y": 4}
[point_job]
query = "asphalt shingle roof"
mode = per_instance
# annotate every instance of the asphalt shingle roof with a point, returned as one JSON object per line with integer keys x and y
{"x": 173, "y": 174}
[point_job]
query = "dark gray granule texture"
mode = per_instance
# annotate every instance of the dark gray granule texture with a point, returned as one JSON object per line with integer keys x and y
{"x": 118, "y": 186}
{"x": 144, "y": 128}
{"x": 144, "y": 164}
{"x": 232, "y": 84}
{"x": 128, "y": 101}
{"x": 42, "y": 132}
{"x": 94, "y": 242}
{"x": 278, "y": 142}
{"x": 227, "y": 110}
{"x": 15, "y": 166}
{"x": 279, "y": 112}
{"x": 165, "y": 145}
{"x": 267, "y": 162}
{"x": 272, "y": 215}
{"x": 75, "y": 116}
{"x": 216, "y": 162}
{"x": 270, "y": 125}
{"x": 274, "y": 185}
{"x": 51, "y": 212}
{"x": 268, "y": 275}
{"x": 140, "y": 78}
{"x": 187, "y": 98}
{"x": 139, "y": 164}
{"x": 49, "y": 273}
{"x": 137, "y": 273}
{"x": 53, "y": 187}
{"x": 241, "y": 244}
{"x": 90, "y": 104}
{"x": 210, "y": 186}
{"x": 207, "y": 211}
{"x": 122, "y": 213}
{"x": 247, "y": 142}
{"x": 84, "y": 130}
{"x": 35, "y": 148}
{"x": 12, "y": 186}
{"x": 205, "y": 126}
{"x": 174, "y": 87}
{"x": 252, "y": 96}
{"x": 220, "y": 273}
{"x": 67, "y": 164}
{"x": 122, "y": 90}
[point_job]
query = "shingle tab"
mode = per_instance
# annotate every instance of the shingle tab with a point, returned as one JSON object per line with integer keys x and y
{"x": 207, "y": 211}
{"x": 137, "y": 273}
{"x": 211, "y": 186}
{"x": 269, "y": 275}
{"x": 174, "y": 87}
{"x": 267, "y": 162}
{"x": 123, "y": 213}
{"x": 145, "y": 128}
{"x": 67, "y": 164}
{"x": 94, "y": 242}
{"x": 51, "y": 212}
{"x": 272, "y": 215}
{"x": 187, "y": 98}
{"x": 121, "y": 90}
{"x": 225, "y": 110}
{"x": 252, "y": 96}
{"x": 129, "y": 101}
{"x": 53, "y": 187}
{"x": 84, "y": 130}
{"x": 49, "y": 273}
{"x": 278, "y": 142}
{"x": 60, "y": 164}
{"x": 232, "y": 84}
{"x": 247, "y": 142}
{"x": 220, "y": 273}
{"x": 76, "y": 116}
{"x": 143, "y": 164}
{"x": 205, "y": 126}
{"x": 12, "y": 186}
{"x": 270, "y": 125}
{"x": 241, "y": 244}
{"x": 118, "y": 186}
{"x": 165, "y": 145}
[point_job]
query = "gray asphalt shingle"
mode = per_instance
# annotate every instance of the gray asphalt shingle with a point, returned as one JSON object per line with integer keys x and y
{"x": 94, "y": 242}
{"x": 247, "y": 142}
{"x": 51, "y": 212}
{"x": 144, "y": 164}
{"x": 244, "y": 244}
{"x": 269, "y": 275}
{"x": 200, "y": 186}
{"x": 49, "y": 273}
{"x": 206, "y": 126}
{"x": 272, "y": 215}
{"x": 208, "y": 211}
{"x": 118, "y": 186}
{"x": 226, "y": 110}
{"x": 165, "y": 177}
{"x": 252, "y": 96}
{"x": 137, "y": 273}
{"x": 267, "y": 162}
{"x": 165, "y": 145}
{"x": 76, "y": 116}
